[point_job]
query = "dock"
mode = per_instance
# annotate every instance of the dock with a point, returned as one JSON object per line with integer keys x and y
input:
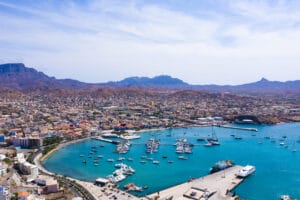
{"x": 239, "y": 128}
{"x": 213, "y": 187}
{"x": 105, "y": 140}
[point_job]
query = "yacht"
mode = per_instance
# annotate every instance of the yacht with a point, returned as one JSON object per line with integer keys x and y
{"x": 246, "y": 171}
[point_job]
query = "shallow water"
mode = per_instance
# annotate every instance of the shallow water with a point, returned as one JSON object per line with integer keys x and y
{"x": 277, "y": 167}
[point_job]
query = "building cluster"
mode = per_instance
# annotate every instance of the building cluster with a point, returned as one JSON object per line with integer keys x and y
{"x": 27, "y": 120}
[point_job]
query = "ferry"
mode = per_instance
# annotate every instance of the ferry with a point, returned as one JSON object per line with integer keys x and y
{"x": 246, "y": 171}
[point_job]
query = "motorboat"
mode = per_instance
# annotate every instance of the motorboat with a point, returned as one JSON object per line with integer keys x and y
{"x": 246, "y": 171}
{"x": 285, "y": 197}
{"x": 155, "y": 162}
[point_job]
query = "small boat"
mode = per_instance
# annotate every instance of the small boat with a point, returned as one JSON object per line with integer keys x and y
{"x": 101, "y": 145}
{"x": 100, "y": 156}
{"x": 121, "y": 159}
{"x": 133, "y": 187}
{"x": 208, "y": 144}
{"x": 260, "y": 142}
{"x": 96, "y": 164}
{"x": 253, "y": 135}
{"x": 246, "y": 171}
{"x": 182, "y": 157}
{"x": 130, "y": 159}
{"x": 232, "y": 135}
{"x": 267, "y": 137}
{"x": 201, "y": 139}
{"x": 238, "y": 137}
{"x": 89, "y": 156}
{"x": 155, "y": 162}
{"x": 84, "y": 161}
{"x": 285, "y": 197}
{"x": 143, "y": 161}
{"x": 164, "y": 156}
{"x": 170, "y": 161}
{"x": 143, "y": 157}
{"x": 284, "y": 136}
{"x": 81, "y": 155}
{"x": 110, "y": 160}
{"x": 145, "y": 187}
{"x": 282, "y": 143}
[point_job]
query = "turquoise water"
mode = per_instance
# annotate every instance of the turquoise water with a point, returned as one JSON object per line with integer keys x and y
{"x": 277, "y": 167}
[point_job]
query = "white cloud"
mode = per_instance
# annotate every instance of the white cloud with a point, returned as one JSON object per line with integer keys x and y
{"x": 110, "y": 40}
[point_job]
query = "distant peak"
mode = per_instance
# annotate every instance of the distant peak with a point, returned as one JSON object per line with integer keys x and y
{"x": 264, "y": 80}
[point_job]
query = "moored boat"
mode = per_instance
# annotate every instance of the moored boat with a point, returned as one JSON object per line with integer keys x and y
{"x": 221, "y": 165}
{"x": 246, "y": 171}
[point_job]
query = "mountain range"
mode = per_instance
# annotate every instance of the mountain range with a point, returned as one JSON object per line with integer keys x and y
{"x": 18, "y": 76}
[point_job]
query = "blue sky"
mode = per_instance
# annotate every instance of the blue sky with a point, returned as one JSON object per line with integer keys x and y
{"x": 199, "y": 41}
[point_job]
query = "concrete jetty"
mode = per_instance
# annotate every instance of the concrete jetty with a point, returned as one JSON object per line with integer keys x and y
{"x": 213, "y": 187}
{"x": 239, "y": 128}
{"x": 105, "y": 140}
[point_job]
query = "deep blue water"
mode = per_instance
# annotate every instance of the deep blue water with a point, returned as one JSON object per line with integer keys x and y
{"x": 277, "y": 167}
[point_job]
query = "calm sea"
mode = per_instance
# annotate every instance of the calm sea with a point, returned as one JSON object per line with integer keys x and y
{"x": 277, "y": 167}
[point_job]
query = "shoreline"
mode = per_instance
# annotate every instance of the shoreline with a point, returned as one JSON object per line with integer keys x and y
{"x": 62, "y": 145}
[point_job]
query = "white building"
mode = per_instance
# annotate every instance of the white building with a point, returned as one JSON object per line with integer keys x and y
{"x": 3, "y": 169}
{"x": 27, "y": 168}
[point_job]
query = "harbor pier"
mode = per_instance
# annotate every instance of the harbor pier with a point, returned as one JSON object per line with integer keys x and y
{"x": 238, "y": 128}
{"x": 213, "y": 187}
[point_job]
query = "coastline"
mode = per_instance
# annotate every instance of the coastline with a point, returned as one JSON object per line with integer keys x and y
{"x": 61, "y": 145}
